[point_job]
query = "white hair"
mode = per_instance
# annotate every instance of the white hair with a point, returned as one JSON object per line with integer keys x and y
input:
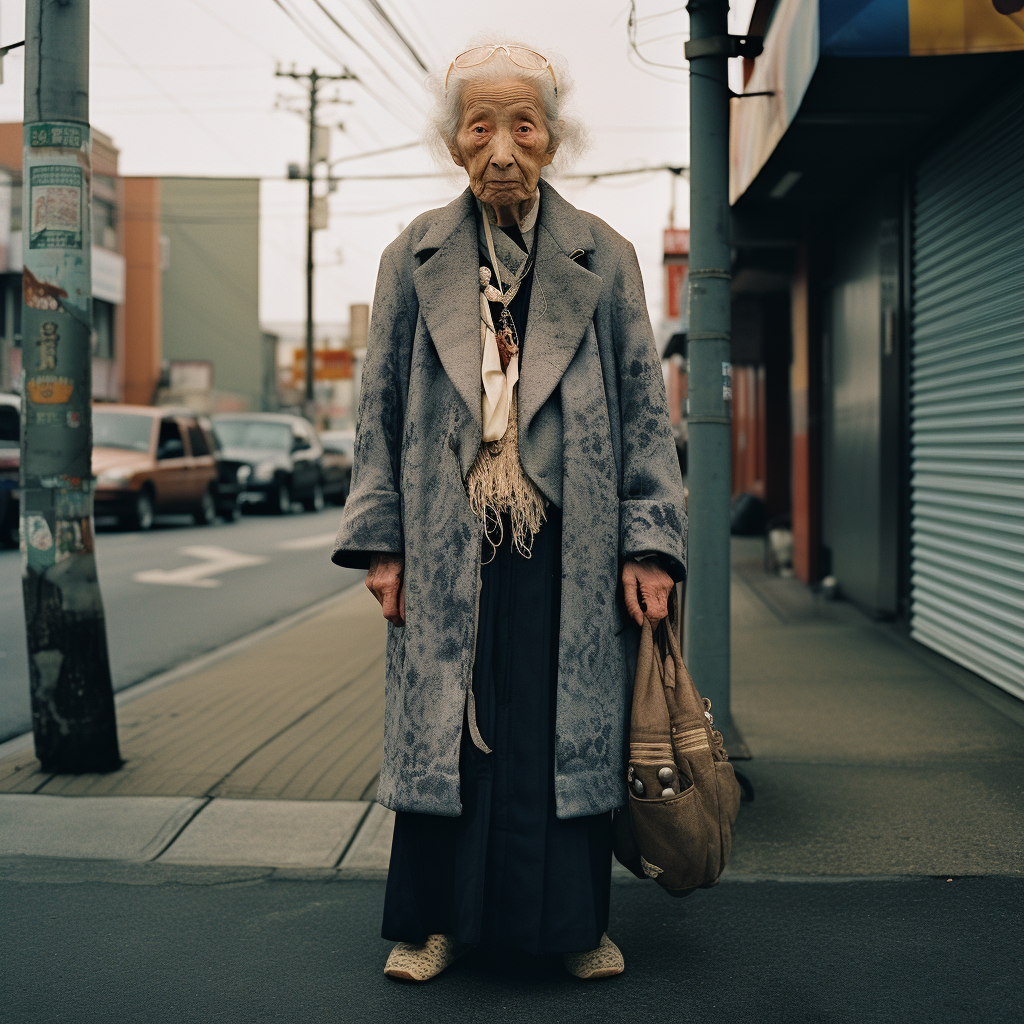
{"x": 565, "y": 131}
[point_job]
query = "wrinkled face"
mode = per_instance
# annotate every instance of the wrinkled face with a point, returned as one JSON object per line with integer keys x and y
{"x": 503, "y": 140}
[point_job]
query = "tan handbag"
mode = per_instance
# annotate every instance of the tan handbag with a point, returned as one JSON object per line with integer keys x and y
{"x": 683, "y": 793}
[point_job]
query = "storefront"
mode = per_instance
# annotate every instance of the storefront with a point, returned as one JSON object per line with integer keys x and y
{"x": 966, "y": 403}
{"x": 879, "y": 188}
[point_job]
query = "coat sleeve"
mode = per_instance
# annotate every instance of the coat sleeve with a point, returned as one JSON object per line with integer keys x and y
{"x": 652, "y": 516}
{"x": 371, "y": 520}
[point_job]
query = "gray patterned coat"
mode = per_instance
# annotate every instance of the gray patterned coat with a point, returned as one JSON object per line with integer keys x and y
{"x": 594, "y": 436}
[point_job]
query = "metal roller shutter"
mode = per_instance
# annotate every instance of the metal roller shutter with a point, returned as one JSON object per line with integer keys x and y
{"x": 967, "y": 399}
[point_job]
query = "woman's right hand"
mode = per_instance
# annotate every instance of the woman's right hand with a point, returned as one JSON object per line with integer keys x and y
{"x": 384, "y": 581}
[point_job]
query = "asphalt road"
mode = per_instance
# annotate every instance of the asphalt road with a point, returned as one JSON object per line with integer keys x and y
{"x": 180, "y": 590}
{"x": 150, "y": 944}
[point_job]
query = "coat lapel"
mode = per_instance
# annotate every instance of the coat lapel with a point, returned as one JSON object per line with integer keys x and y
{"x": 562, "y": 303}
{"x": 448, "y": 288}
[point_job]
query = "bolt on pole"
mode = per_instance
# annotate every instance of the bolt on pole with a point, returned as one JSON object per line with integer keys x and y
{"x": 710, "y": 366}
{"x": 73, "y": 716}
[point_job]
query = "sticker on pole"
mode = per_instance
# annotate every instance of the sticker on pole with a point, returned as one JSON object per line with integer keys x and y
{"x": 55, "y": 212}
{"x": 55, "y": 207}
{"x": 726, "y": 382}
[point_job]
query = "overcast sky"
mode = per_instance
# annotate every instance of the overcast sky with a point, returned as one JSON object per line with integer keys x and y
{"x": 187, "y": 87}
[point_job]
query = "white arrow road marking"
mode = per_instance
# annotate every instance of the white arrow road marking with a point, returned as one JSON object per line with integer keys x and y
{"x": 320, "y": 540}
{"x": 214, "y": 560}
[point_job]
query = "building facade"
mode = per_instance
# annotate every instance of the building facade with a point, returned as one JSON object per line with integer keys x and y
{"x": 878, "y": 217}
{"x": 192, "y": 255}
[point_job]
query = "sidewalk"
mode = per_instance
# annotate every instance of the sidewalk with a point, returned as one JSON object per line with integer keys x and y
{"x": 870, "y": 755}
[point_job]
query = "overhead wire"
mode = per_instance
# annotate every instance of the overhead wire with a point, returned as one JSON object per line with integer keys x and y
{"x": 382, "y": 38}
{"x": 156, "y": 84}
{"x": 300, "y": 22}
{"x": 426, "y": 30}
{"x": 233, "y": 29}
{"x": 303, "y": 24}
{"x": 348, "y": 35}
{"x": 377, "y": 9}
{"x": 389, "y": 107}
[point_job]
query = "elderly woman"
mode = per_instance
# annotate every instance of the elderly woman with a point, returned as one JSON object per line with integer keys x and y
{"x": 514, "y": 463}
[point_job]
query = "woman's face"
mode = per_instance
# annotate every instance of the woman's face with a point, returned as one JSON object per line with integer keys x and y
{"x": 503, "y": 140}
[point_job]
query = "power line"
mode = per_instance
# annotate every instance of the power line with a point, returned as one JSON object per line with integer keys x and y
{"x": 426, "y": 30}
{"x": 303, "y": 24}
{"x": 377, "y": 9}
{"x": 232, "y": 28}
{"x": 310, "y": 33}
{"x": 152, "y": 81}
{"x": 348, "y": 35}
{"x": 375, "y": 152}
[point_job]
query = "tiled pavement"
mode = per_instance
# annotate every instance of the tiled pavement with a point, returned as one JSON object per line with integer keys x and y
{"x": 871, "y": 756}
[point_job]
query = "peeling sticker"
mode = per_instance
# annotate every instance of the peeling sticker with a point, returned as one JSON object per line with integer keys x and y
{"x": 50, "y": 390}
{"x": 74, "y": 419}
{"x": 64, "y": 482}
{"x": 41, "y": 294}
{"x": 73, "y": 537}
{"x": 47, "y": 345}
{"x": 37, "y": 532}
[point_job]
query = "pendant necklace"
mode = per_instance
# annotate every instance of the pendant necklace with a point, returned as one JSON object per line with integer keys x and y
{"x": 505, "y": 333}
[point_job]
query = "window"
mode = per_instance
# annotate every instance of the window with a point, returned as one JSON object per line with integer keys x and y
{"x": 104, "y": 224}
{"x": 10, "y": 426}
{"x": 197, "y": 442}
{"x": 102, "y": 329}
{"x": 170, "y": 444}
{"x": 121, "y": 430}
{"x": 259, "y": 434}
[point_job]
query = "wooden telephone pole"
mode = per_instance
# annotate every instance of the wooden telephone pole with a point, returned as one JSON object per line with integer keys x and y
{"x": 314, "y": 78}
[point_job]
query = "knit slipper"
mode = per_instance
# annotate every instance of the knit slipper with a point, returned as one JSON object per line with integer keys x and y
{"x": 603, "y": 962}
{"x": 421, "y": 963}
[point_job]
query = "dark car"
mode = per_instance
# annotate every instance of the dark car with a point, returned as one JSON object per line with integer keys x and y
{"x": 339, "y": 451}
{"x": 282, "y": 454}
{"x": 231, "y": 478}
{"x": 10, "y": 457}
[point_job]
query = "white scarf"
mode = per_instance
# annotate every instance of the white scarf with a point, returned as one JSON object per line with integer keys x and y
{"x": 497, "y": 384}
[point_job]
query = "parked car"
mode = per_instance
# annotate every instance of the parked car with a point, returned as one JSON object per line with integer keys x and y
{"x": 339, "y": 451}
{"x": 231, "y": 478}
{"x": 283, "y": 456}
{"x": 10, "y": 457}
{"x": 148, "y": 461}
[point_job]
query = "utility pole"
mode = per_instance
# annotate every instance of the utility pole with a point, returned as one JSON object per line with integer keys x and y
{"x": 710, "y": 360}
{"x": 69, "y": 668}
{"x": 314, "y": 78}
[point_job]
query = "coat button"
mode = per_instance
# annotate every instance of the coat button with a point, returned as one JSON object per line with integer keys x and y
{"x": 638, "y": 787}
{"x": 665, "y": 776}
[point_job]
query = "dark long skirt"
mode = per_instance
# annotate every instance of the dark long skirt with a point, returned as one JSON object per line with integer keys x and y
{"x": 507, "y": 872}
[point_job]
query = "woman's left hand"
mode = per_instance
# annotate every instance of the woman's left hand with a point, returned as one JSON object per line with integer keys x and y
{"x": 646, "y": 587}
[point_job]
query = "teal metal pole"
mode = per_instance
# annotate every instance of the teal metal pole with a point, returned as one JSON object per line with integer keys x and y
{"x": 710, "y": 368}
{"x": 73, "y": 716}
